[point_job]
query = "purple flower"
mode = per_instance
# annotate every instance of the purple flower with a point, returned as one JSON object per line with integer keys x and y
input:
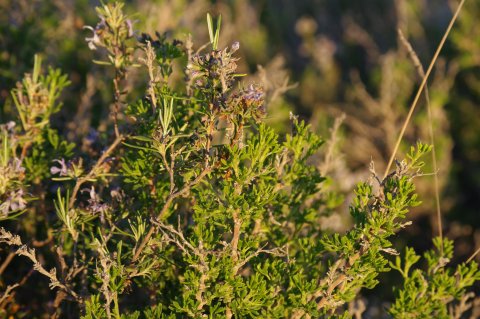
{"x": 129, "y": 27}
{"x": 254, "y": 93}
{"x": 13, "y": 203}
{"x": 94, "y": 203}
{"x": 17, "y": 166}
{"x": 92, "y": 136}
{"x": 194, "y": 74}
{"x": 62, "y": 170}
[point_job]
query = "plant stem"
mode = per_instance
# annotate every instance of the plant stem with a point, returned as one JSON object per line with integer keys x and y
{"x": 165, "y": 208}
{"x": 116, "y": 105}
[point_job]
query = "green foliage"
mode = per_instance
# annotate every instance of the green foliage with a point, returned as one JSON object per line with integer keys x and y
{"x": 437, "y": 292}
{"x": 196, "y": 207}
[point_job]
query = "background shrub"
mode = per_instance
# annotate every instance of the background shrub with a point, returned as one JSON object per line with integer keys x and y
{"x": 170, "y": 184}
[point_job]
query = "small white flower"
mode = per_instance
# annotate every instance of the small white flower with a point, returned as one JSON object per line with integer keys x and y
{"x": 62, "y": 170}
{"x": 94, "y": 40}
{"x": 235, "y": 46}
{"x": 10, "y": 125}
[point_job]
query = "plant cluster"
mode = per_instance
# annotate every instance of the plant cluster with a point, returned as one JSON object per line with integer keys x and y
{"x": 190, "y": 205}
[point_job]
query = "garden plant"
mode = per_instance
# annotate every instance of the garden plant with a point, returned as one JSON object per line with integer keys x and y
{"x": 189, "y": 204}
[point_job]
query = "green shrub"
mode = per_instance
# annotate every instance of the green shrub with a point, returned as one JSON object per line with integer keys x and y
{"x": 189, "y": 205}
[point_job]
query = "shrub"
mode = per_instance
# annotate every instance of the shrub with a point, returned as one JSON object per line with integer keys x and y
{"x": 189, "y": 205}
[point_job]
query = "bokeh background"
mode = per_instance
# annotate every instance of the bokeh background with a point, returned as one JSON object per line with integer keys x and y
{"x": 338, "y": 64}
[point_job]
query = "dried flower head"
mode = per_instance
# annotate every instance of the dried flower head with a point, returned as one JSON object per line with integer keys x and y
{"x": 214, "y": 71}
{"x": 249, "y": 103}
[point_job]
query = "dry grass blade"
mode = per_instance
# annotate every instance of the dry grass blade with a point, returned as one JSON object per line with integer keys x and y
{"x": 421, "y": 72}
{"x": 473, "y": 255}
{"x": 422, "y": 85}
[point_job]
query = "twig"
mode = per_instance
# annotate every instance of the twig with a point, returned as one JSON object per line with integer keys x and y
{"x": 6, "y": 262}
{"x": 25, "y": 148}
{"x": 92, "y": 172}
{"x": 23, "y": 250}
{"x": 170, "y": 167}
{"x": 465, "y": 304}
{"x": 179, "y": 240}
{"x": 277, "y": 251}
{"x": 165, "y": 208}
{"x": 7, "y": 292}
{"x": 237, "y": 224}
{"x": 116, "y": 105}
{"x": 52, "y": 274}
{"x": 19, "y": 284}
{"x": 422, "y": 85}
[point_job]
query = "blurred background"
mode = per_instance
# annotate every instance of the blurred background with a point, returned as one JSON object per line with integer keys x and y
{"x": 340, "y": 65}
